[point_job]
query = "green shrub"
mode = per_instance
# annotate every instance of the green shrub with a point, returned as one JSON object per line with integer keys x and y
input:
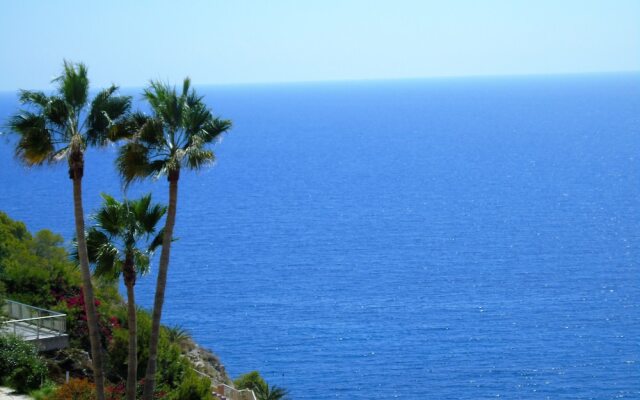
{"x": 172, "y": 366}
{"x": 45, "y": 392}
{"x": 20, "y": 365}
{"x": 34, "y": 269}
{"x": 193, "y": 387}
{"x": 251, "y": 380}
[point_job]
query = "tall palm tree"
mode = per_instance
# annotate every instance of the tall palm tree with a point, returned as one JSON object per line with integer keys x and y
{"x": 121, "y": 243}
{"x": 59, "y": 127}
{"x": 174, "y": 137}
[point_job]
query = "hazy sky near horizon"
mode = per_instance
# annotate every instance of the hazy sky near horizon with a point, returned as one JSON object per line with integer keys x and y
{"x": 129, "y": 42}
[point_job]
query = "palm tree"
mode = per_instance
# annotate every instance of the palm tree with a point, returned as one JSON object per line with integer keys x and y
{"x": 264, "y": 392}
{"x": 114, "y": 246}
{"x": 174, "y": 137}
{"x": 61, "y": 126}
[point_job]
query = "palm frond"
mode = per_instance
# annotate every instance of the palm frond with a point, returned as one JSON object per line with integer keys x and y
{"x": 175, "y": 137}
{"x": 146, "y": 214}
{"x": 141, "y": 261}
{"x": 119, "y": 227}
{"x": 57, "y": 112}
{"x": 177, "y": 334}
{"x": 105, "y": 110}
{"x": 127, "y": 127}
{"x": 264, "y": 392}
{"x": 151, "y": 133}
{"x": 133, "y": 162}
{"x": 74, "y": 84}
{"x": 186, "y": 84}
{"x": 36, "y": 98}
{"x": 35, "y": 146}
{"x": 111, "y": 216}
{"x": 213, "y": 129}
{"x": 103, "y": 254}
{"x": 196, "y": 157}
{"x": 157, "y": 241}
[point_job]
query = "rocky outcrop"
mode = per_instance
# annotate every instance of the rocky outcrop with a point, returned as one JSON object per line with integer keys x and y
{"x": 205, "y": 362}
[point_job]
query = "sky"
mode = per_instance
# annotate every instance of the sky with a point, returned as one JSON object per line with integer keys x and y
{"x": 241, "y": 41}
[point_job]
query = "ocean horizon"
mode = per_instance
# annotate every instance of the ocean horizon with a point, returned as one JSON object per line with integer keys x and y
{"x": 448, "y": 238}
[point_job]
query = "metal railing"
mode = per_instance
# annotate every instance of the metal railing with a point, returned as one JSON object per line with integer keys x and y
{"x": 32, "y": 322}
{"x": 235, "y": 394}
{"x": 226, "y": 391}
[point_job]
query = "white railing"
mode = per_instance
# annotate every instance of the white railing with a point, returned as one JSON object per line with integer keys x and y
{"x": 32, "y": 322}
{"x": 228, "y": 392}
{"x": 235, "y": 394}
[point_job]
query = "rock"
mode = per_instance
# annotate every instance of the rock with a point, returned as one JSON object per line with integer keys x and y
{"x": 206, "y": 362}
{"x": 74, "y": 360}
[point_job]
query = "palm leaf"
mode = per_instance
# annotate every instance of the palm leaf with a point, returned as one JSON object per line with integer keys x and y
{"x": 105, "y": 110}
{"x": 74, "y": 84}
{"x": 35, "y": 146}
{"x": 133, "y": 161}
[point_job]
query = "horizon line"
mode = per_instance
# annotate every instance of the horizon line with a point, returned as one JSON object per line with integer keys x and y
{"x": 381, "y": 79}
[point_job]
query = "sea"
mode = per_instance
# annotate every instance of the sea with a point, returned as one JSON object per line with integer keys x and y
{"x": 451, "y": 238}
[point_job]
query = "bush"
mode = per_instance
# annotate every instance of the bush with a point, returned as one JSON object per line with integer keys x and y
{"x": 172, "y": 365}
{"x": 251, "y": 380}
{"x": 20, "y": 365}
{"x": 35, "y": 269}
{"x": 75, "y": 389}
{"x": 45, "y": 392}
{"x": 193, "y": 387}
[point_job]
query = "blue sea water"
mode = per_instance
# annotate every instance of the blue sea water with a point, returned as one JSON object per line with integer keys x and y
{"x": 427, "y": 239}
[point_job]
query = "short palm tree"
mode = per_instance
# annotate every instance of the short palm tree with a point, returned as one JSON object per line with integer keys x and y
{"x": 265, "y": 392}
{"x": 121, "y": 243}
{"x": 173, "y": 138}
{"x": 59, "y": 127}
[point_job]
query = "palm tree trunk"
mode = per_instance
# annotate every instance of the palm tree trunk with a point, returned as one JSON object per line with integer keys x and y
{"x": 87, "y": 287}
{"x": 150, "y": 378}
{"x": 132, "y": 369}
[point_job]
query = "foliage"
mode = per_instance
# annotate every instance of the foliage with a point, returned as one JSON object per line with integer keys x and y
{"x": 270, "y": 393}
{"x": 193, "y": 387}
{"x": 73, "y": 305}
{"x": 177, "y": 334}
{"x": 45, "y": 392}
{"x": 172, "y": 366}
{"x": 59, "y": 126}
{"x": 79, "y": 389}
{"x": 175, "y": 136}
{"x": 3, "y": 292}
{"x": 118, "y": 348}
{"x": 75, "y": 389}
{"x": 34, "y": 269}
{"x": 253, "y": 381}
{"x": 124, "y": 229}
{"x": 20, "y": 365}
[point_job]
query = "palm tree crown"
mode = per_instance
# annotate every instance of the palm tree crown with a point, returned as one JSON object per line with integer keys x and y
{"x": 58, "y": 126}
{"x": 175, "y": 136}
{"x": 118, "y": 234}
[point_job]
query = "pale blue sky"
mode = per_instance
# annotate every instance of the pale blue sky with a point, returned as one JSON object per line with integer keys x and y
{"x": 129, "y": 42}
